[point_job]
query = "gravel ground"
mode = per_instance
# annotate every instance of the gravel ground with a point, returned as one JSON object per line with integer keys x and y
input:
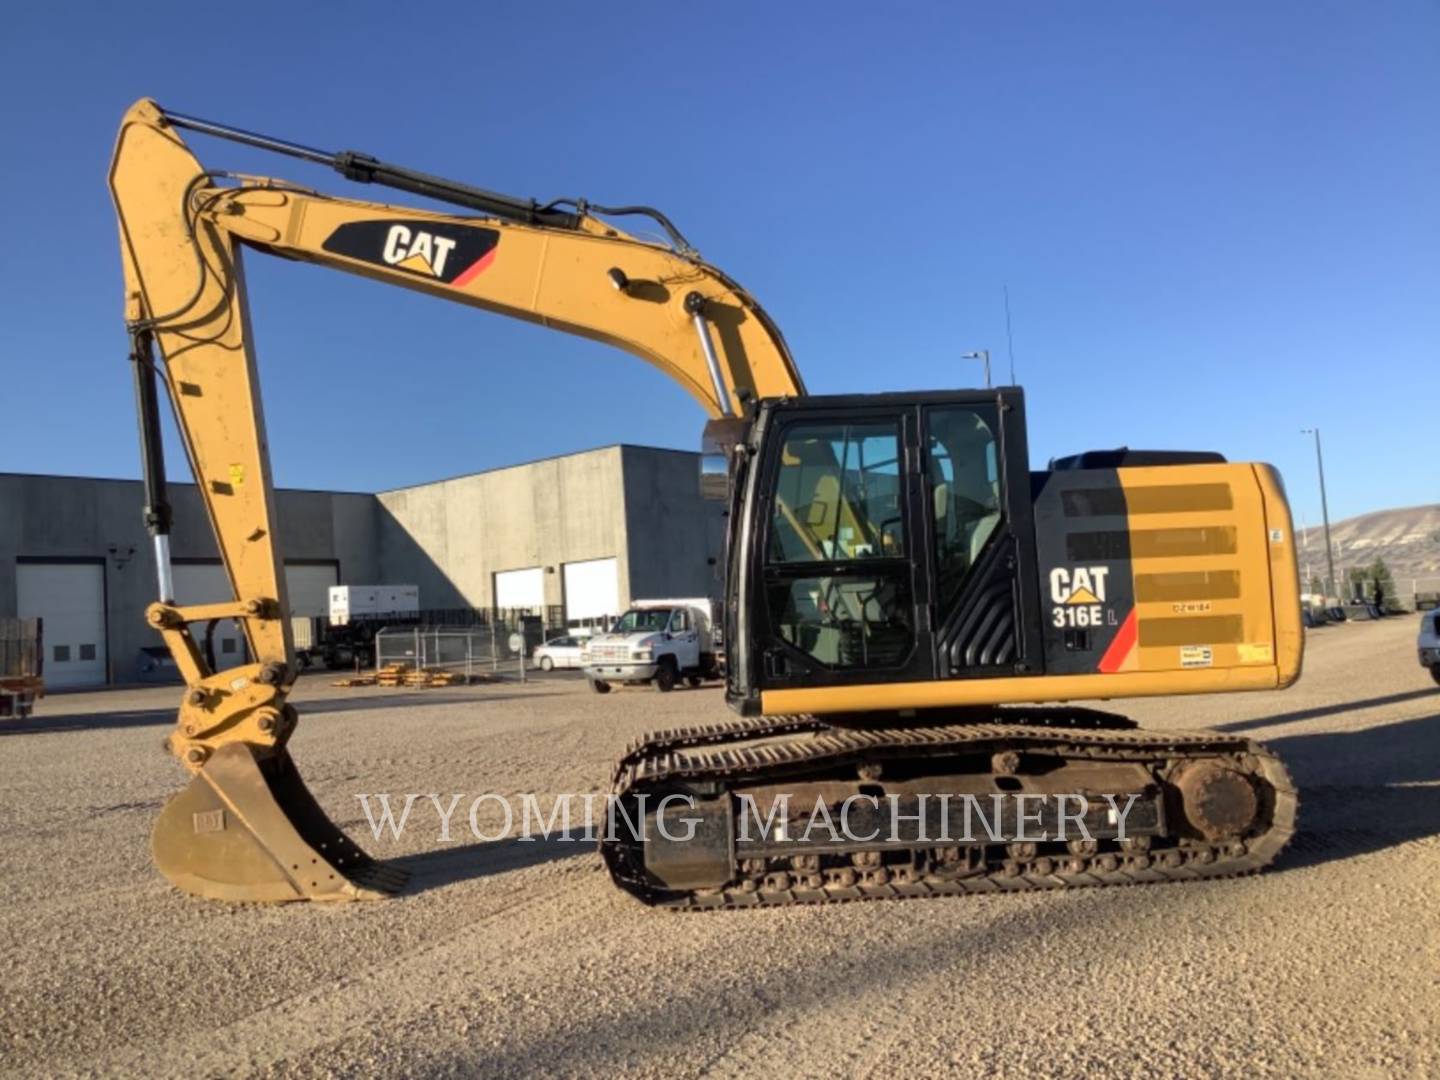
{"x": 512, "y": 958}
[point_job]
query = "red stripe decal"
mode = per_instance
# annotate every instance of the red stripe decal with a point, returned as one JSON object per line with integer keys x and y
{"x": 475, "y": 269}
{"x": 1119, "y": 649}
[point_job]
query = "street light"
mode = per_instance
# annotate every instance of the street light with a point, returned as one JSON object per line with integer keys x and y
{"x": 1324, "y": 512}
{"x": 982, "y": 355}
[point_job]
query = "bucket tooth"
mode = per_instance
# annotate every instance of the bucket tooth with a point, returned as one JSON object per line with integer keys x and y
{"x": 248, "y": 829}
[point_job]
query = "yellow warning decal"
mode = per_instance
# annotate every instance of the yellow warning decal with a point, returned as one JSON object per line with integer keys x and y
{"x": 1261, "y": 653}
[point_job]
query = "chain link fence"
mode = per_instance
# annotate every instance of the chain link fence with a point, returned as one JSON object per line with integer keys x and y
{"x": 467, "y": 651}
{"x": 1401, "y": 594}
{"x": 468, "y": 642}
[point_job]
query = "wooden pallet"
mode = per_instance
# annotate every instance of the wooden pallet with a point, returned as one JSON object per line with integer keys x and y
{"x": 355, "y": 680}
{"x": 402, "y": 675}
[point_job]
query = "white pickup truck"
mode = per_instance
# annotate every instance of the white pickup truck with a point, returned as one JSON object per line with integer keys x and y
{"x": 659, "y": 641}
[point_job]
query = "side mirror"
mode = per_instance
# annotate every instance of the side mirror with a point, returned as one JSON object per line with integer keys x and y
{"x": 714, "y": 477}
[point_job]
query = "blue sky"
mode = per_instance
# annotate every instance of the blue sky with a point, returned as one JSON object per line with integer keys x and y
{"x": 1219, "y": 223}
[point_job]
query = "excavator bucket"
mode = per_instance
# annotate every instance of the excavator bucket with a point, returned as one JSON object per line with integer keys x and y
{"x": 248, "y": 829}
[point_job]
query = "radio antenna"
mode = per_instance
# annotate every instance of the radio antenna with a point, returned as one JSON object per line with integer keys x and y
{"x": 1009, "y": 337}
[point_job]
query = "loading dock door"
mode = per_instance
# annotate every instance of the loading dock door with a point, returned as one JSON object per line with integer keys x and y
{"x": 521, "y": 589}
{"x": 309, "y": 588}
{"x": 70, "y": 597}
{"x": 592, "y": 589}
{"x": 206, "y": 583}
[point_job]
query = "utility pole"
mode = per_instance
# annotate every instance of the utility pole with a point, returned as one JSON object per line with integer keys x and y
{"x": 982, "y": 355}
{"x": 1324, "y": 513}
{"x": 1305, "y": 556}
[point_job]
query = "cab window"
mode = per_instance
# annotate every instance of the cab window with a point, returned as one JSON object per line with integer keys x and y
{"x": 837, "y": 572}
{"x": 963, "y": 480}
{"x": 837, "y": 494}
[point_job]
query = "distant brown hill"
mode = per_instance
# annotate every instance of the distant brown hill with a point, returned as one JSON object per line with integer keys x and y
{"x": 1408, "y": 539}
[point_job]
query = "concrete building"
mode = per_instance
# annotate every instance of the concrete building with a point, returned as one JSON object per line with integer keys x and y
{"x": 585, "y": 533}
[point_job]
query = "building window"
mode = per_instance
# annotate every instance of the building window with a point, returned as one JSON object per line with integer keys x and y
{"x": 227, "y": 645}
{"x": 62, "y": 654}
{"x": 87, "y": 652}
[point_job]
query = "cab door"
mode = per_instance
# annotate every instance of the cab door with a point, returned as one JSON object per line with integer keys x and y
{"x": 685, "y": 638}
{"x": 836, "y": 549}
{"x": 978, "y": 528}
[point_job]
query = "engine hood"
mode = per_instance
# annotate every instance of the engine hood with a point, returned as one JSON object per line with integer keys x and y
{"x": 632, "y": 640}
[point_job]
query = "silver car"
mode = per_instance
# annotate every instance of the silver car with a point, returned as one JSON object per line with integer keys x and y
{"x": 560, "y": 652}
{"x": 1429, "y": 642}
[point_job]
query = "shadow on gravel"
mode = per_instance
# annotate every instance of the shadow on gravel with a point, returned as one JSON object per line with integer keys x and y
{"x": 102, "y": 721}
{"x": 87, "y": 722}
{"x": 1363, "y": 791}
{"x": 1328, "y": 710}
{"x": 451, "y": 865}
{"x": 407, "y": 701}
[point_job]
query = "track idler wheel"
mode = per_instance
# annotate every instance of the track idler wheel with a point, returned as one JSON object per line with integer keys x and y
{"x": 1219, "y": 802}
{"x": 248, "y": 829}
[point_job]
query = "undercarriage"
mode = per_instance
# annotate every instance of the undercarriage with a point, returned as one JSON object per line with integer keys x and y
{"x": 794, "y": 810}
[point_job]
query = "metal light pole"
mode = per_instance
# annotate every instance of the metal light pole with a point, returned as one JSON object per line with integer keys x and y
{"x": 1324, "y": 513}
{"x": 983, "y": 355}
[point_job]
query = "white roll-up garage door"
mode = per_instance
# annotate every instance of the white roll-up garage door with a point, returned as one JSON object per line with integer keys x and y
{"x": 70, "y": 597}
{"x": 521, "y": 589}
{"x": 592, "y": 589}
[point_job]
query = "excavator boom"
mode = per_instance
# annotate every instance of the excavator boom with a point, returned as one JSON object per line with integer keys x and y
{"x": 247, "y": 828}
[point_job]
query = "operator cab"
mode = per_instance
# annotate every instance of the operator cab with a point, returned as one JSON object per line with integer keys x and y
{"x": 881, "y": 538}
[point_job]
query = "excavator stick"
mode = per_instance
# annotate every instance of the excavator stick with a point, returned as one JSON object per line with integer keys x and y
{"x": 248, "y": 829}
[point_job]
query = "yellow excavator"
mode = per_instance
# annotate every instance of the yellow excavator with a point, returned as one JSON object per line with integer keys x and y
{"x": 908, "y": 607}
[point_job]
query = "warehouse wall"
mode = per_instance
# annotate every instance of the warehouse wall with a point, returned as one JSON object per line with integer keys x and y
{"x": 53, "y": 517}
{"x": 452, "y": 537}
{"x": 674, "y": 538}
{"x": 638, "y": 505}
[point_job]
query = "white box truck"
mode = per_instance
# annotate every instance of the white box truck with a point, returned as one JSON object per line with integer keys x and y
{"x": 656, "y": 641}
